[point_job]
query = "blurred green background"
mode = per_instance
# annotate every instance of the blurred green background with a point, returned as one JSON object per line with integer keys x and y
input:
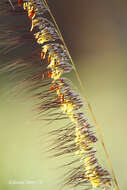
{"x": 95, "y": 33}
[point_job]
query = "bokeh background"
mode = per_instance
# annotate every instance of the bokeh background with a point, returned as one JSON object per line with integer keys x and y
{"x": 95, "y": 33}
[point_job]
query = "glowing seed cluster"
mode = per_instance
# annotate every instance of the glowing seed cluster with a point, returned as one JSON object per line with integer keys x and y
{"x": 59, "y": 63}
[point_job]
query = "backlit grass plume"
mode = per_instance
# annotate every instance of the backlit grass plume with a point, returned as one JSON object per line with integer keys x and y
{"x": 45, "y": 67}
